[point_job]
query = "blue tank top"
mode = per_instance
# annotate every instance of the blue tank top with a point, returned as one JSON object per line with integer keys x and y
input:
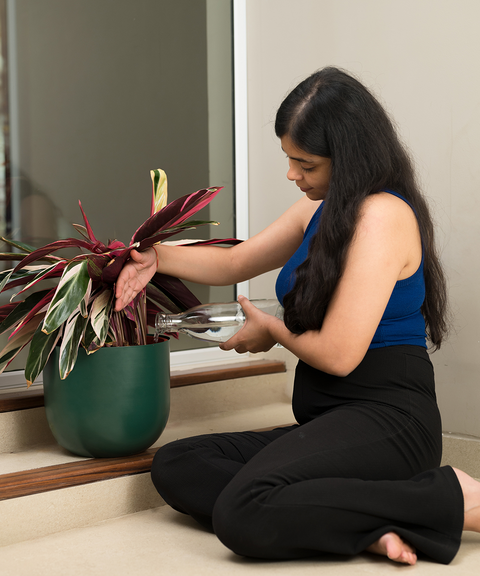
{"x": 402, "y": 321}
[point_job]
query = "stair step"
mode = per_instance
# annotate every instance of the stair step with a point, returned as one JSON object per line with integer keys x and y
{"x": 78, "y": 493}
{"x": 34, "y": 398}
{"x": 218, "y": 388}
{"x": 45, "y": 489}
{"x": 162, "y": 541}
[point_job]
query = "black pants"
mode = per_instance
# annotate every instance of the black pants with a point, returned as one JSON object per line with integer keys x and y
{"x": 362, "y": 462}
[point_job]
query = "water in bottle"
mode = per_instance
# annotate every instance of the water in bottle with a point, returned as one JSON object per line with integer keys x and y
{"x": 216, "y": 322}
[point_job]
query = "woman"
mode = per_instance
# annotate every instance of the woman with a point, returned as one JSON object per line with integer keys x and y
{"x": 362, "y": 289}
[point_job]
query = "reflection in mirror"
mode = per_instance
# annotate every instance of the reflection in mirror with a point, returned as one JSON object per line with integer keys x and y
{"x": 94, "y": 94}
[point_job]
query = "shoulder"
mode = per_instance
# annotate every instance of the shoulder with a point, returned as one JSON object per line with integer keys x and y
{"x": 385, "y": 202}
{"x": 387, "y": 228}
{"x": 385, "y": 211}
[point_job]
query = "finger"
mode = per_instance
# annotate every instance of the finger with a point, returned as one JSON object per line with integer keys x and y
{"x": 229, "y": 344}
{"x": 246, "y": 305}
{"x": 137, "y": 256}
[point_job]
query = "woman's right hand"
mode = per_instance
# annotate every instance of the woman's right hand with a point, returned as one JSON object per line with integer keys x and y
{"x": 134, "y": 276}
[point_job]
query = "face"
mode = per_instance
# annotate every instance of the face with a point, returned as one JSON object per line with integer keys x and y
{"x": 311, "y": 173}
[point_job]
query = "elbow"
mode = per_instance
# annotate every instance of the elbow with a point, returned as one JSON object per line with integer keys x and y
{"x": 340, "y": 371}
{"x": 340, "y": 365}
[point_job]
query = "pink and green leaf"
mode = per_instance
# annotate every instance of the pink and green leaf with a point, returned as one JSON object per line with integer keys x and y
{"x": 52, "y": 271}
{"x": 6, "y": 310}
{"x": 95, "y": 265}
{"x": 175, "y": 213}
{"x": 25, "y": 310}
{"x": 19, "y": 278}
{"x": 4, "y": 278}
{"x": 16, "y": 344}
{"x": 53, "y": 247}
{"x": 112, "y": 269}
{"x": 176, "y": 291}
{"x": 115, "y": 245}
{"x": 161, "y": 301}
{"x": 76, "y": 308}
{"x": 88, "y": 228}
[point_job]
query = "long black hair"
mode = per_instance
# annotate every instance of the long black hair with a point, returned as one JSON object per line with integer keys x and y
{"x": 332, "y": 114}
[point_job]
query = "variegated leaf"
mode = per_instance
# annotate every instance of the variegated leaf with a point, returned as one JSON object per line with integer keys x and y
{"x": 72, "y": 335}
{"x": 100, "y": 314}
{"x": 159, "y": 190}
{"x": 86, "y": 300}
{"x": 41, "y": 347}
{"x": 89, "y": 336}
{"x": 46, "y": 272}
{"x": 22, "y": 310}
{"x": 5, "y": 277}
{"x": 19, "y": 341}
{"x": 45, "y": 251}
{"x": 21, "y": 277}
{"x": 71, "y": 290}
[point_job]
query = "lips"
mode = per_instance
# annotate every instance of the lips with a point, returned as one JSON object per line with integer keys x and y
{"x": 305, "y": 189}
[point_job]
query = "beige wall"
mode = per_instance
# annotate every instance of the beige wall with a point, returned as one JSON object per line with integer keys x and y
{"x": 421, "y": 57}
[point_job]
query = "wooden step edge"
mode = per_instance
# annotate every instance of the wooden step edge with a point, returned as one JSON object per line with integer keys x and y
{"x": 48, "y": 478}
{"x": 34, "y": 398}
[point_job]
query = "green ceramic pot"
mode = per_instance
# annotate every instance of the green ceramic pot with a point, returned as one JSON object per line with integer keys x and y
{"x": 115, "y": 402}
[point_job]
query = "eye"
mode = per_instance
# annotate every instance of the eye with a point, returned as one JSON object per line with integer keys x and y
{"x": 306, "y": 169}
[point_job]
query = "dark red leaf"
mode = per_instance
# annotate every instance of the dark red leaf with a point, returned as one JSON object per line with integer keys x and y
{"x": 96, "y": 264}
{"x": 176, "y": 290}
{"x": 175, "y": 212}
{"x": 115, "y": 245}
{"x": 6, "y": 309}
{"x": 90, "y": 233}
{"x": 43, "y": 302}
{"x": 112, "y": 270}
{"x": 52, "y": 247}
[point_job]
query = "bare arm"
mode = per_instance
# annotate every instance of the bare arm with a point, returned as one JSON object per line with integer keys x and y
{"x": 386, "y": 248}
{"x": 216, "y": 266}
{"x": 265, "y": 251}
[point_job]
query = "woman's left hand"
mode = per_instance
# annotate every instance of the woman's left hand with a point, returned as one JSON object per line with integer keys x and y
{"x": 255, "y": 335}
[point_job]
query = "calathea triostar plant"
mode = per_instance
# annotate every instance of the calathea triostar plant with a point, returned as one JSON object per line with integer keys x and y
{"x": 79, "y": 310}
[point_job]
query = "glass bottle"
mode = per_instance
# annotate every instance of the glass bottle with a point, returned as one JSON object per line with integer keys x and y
{"x": 216, "y": 322}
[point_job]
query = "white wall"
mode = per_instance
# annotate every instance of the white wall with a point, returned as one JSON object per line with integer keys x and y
{"x": 421, "y": 57}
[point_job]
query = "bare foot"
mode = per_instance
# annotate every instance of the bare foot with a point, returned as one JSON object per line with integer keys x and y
{"x": 392, "y": 546}
{"x": 471, "y": 497}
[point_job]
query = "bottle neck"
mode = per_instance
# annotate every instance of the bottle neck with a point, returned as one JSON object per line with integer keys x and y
{"x": 167, "y": 323}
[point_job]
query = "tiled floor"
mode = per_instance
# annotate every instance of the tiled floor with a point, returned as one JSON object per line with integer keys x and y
{"x": 164, "y": 542}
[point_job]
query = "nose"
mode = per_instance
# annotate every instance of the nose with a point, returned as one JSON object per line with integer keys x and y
{"x": 293, "y": 173}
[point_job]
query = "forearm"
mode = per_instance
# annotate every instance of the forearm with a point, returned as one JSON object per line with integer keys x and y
{"x": 318, "y": 349}
{"x": 211, "y": 265}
